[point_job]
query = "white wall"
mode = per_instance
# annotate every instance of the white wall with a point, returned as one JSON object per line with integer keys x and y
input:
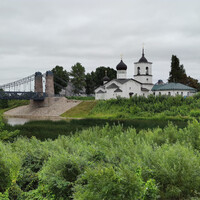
{"x": 174, "y": 92}
{"x": 121, "y": 74}
{"x": 143, "y": 78}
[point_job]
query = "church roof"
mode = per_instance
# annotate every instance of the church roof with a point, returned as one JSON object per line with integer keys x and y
{"x": 112, "y": 86}
{"x": 100, "y": 92}
{"x": 106, "y": 78}
{"x": 143, "y": 59}
{"x": 144, "y": 89}
{"x": 172, "y": 86}
{"x": 121, "y": 66}
{"x": 118, "y": 90}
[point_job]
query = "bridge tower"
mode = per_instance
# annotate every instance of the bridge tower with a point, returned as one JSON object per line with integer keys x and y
{"x": 38, "y": 82}
{"x": 49, "y": 90}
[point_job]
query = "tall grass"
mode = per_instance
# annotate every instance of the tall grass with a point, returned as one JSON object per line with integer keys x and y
{"x": 151, "y": 107}
{"x": 51, "y": 130}
{"x": 107, "y": 162}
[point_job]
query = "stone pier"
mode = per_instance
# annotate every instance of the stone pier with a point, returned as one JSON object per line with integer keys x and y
{"x": 49, "y": 90}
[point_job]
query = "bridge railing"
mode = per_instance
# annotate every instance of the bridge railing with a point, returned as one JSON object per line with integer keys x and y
{"x": 37, "y": 96}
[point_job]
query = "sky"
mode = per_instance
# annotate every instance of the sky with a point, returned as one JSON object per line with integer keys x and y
{"x": 37, "y": 35}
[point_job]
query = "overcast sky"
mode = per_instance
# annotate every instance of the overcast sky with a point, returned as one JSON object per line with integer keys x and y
{"x": 36, "y": 35}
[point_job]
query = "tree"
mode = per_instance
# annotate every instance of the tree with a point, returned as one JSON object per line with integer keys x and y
{"x": 90, "y": 84}
{"x": 61, "y": 78}
{"x": 177, "y": 73}
{"x": 3, "y": 102}
{"x": 95, "y": 79}
{"x": 78, "y": 77}
{"x": 100, "y": 73}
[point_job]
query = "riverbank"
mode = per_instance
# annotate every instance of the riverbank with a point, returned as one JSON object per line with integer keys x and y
{"x": 55, "y": 108}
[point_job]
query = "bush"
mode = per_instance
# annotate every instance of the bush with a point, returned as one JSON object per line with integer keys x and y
{"x": 175, "y": 168}
{"x": 105, "y": 182}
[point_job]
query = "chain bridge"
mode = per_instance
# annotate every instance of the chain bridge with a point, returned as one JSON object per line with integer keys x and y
{"x": 30, "y": 87}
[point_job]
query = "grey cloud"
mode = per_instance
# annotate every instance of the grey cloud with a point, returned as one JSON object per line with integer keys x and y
{"x": 38, "y": 34}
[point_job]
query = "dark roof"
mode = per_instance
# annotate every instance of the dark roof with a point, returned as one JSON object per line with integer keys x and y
{"x": 121, "y": 66}
{"x": 122, "y": 81}
{"x": 143, "y": 59}
{"x": 118, "y": 90}
{"x": 144, "y": 89}
{"x": 49, "y": 73}
{"x": 100, "y": 91}
{"x": 38, "y": 74}
{"x": 106, "y": 78}
{"x": 112, "y": 86}
{"x": 172, "y": 86}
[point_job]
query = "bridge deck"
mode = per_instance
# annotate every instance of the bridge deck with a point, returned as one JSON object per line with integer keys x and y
{"x": 36, "y": 96}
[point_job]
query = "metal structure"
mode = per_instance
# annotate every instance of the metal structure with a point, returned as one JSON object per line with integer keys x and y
{"x": 29, "y": 88}
{"x": 26, "y": 83}
{"x": 36, "y": 96}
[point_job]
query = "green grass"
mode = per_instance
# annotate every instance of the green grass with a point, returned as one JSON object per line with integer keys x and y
{"x": 13, "y": 104}
{"x": 82, "y": 110}
{"x": 81, "y": 98}
{"x": 51, "y": 130}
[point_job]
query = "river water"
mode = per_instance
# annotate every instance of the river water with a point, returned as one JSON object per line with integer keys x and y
{"x": 22, "y": 120}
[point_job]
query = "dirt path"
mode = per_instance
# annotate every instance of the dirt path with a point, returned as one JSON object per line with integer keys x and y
{"x": 59, "y": 106}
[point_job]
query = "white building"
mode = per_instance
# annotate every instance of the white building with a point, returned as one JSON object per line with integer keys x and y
{"x": 141, "y": 85}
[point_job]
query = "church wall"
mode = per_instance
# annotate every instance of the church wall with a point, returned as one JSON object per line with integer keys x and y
{"x": 131, "y": 86}
{"x": 121, "y": 74}
{"x": 174, "y": 92}
{"x": 143, "y": 78}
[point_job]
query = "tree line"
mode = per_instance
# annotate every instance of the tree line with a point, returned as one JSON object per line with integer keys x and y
{"x": 178, "y": 74}
{"x": 80, "y": 79}
{"x": 90, "y": 81}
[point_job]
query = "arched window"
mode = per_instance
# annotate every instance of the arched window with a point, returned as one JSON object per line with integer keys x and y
{"x": 138, "y": 70}
{"x": 169, "y": 93}
{"x": 147, "y": 71}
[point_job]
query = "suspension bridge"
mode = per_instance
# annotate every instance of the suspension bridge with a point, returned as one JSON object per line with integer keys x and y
{"x": 30, "y": 87}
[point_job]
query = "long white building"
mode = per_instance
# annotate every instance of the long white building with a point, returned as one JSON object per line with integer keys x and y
{"x": 140, "y": 85}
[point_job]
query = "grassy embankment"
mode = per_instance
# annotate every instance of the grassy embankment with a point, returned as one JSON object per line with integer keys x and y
{"x": 13, "y": 104}
{"x": 161, "y": 107}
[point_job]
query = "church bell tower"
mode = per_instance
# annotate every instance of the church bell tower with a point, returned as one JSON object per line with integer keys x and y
{"x": 143, "y": 70}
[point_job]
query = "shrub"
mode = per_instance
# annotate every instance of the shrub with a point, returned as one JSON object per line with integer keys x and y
{"x": 106, "y": 182}
{"x": 60, "y": 173}
{"x": 175, "y": 168}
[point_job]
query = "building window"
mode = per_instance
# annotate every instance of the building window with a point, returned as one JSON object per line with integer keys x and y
{"x": 147, "y": 79}
{"x": 159, "y": 93}
{"x": 154, "y": 93}
{"x": 181, "y": 93}
{"x": 147, "y": 71}
{"x": 188, "y": 94}
{"x": 177, "y": 93}
{"x": 130, "y": 94}
{"x": 138, "y": 71}
{"x": 169, "y": 93}
{"x": 143, "y": 94}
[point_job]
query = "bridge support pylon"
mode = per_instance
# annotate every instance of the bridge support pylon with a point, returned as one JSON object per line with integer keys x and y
{"x": 49, "y": 90}
{"x": 38, "y": 82}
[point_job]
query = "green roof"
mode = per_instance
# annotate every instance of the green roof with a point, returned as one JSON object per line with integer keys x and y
{"x": 172, "y": 86}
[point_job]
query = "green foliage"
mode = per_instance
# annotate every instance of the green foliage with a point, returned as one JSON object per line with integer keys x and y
{"x": 81, "y": 98}
{"x": 3, "y": 103}
{"x": 178, "y": 74}
{"x": 5, "y": 134}
{"x": 150, "y": 107}
{"x": 107, "y": 162}
{"x": 95, "y": 79}
{"x": 61, "y": 77}
{"x": 78, "y": 77}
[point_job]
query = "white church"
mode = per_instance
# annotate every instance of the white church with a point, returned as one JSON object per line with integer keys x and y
{"x": 140, "y": 85}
